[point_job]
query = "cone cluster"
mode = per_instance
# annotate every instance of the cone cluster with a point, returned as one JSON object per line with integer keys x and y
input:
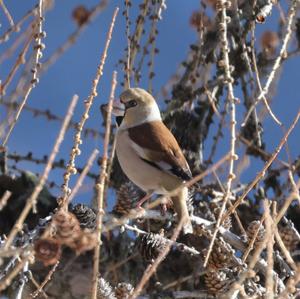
{"x": 150, "y": 245}
{"x": 64, "y": 230}
{"x": 289, "y": 236}
{"x": 127, "y": 197}
{"x": 85, "y": 215}
{"x": 252, "y": 230}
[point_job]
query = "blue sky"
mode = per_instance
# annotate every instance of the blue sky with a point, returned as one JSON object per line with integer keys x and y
{"x": 74, "y": 71}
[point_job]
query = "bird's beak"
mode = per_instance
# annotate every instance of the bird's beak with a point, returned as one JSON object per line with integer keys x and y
{"x": 118, "y": 108}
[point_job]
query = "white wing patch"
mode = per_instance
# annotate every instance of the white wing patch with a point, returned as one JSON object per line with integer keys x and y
{"x": 141, "y": 152}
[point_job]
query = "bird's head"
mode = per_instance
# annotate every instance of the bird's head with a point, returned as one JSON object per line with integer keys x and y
{"x": 136, "y": 106}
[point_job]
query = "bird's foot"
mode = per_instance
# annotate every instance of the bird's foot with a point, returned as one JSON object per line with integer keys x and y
{"x": 144, "y": 199}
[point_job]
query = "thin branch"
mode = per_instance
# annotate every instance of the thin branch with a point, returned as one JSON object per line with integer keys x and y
{"x": 3, "y": 200}
{"x": 18, "y": 40}
{"x": 252, "y": 241}
{"x": 290, "y": 285}
{"x": 56, "y": 164}
{"x": 294, "y": 195}
{"x": 19, "y": 294}
{"x": 18, "y": 25}
{"x": 39, "y": 34}
{"x": 248, "y": 273}
{"x": 100, "y": 186}
{"x": 285, "y": 251}
{"x": 179, "y": 246}
{"x": 152, "y": 268}
{"x": 9, "y": 278}
{"x": 231, "y": 99}
{"x": 46, "y": 280}
{"x": 270, "y": 245}
{"x": 258, "y": 81}
{"x": 138, "y": 33}
{"x": 50, "y": 116}
{"x": 20, "y": 60}
{"x": 66, "y": 191}
{"x": 83, "y": 174}
{"x": 31, "y": 201}
{"x": 127, "y": 69}
{"x": 71, "y": 40}
{"x": 261, "y": 174}
{"x": 282, "y": 55}
{"x": 7, "y": 14}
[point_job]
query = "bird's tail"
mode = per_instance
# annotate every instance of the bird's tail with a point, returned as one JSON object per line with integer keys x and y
{"x": 180, "y": 206}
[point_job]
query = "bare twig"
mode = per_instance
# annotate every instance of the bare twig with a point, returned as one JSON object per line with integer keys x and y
{"x": 252, "y": 241}
{"x": 18, "y": 40}
{"x": 83, "y": 174}
{"x": 31, "y": 201}
{"x": 34, "y": 80}
{"x": 267, "y": 165}
{"x": 258, "y": 81}
{"x": 152, "y": 268}
{"x": 56, "y": 164}
{"x": 46, "y": 280}
{"x": 71, "y": 40}
{"x": 231, "y": 99}
{"x": 8, "y": 278}
{"x": 7, "y": 14}
{"x": 270, "y": 245}
{"x": 127, "y": 68}
{"x": 285, "y": 251}
{"x": 100, "y": 186}
{"x": 66, "y": 191}
{"x": 18, "y": 25}
{"x": 293, "y": 195}
{"x": 138, "y": 33}
{"x": 248, "y": 273}
{"x": 20, "y": 60}
{"x": 50, "y": 116}
{"x": 282, "y": 55}
{"x": 180, "y": 246}
{"x": 290, "y": 285}
{"x": 3, "y": 200}
{"x": 19, "y": 294}
{"x": 37, "y": 285}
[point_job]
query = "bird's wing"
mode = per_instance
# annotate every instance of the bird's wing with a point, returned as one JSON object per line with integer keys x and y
{"x": 156, "y": 145}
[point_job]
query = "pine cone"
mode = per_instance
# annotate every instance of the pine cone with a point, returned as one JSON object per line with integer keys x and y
{"x": 251, "y": 231}
{"x": 81, "y": 15}
{"x": 66, "y": 227}
{"x": 85, "y": 215}
{"x": 289, "y": 236}
{"x": 85, "y": 242}
{"x": 104, "y": 290}
{"x": 221, "y": 255}
{"x": 127, "y": 197}
{"x": 123, "y": 290}
{"x": 193, "y": 160}
{"x": 190, "y": 200}
{"x": 215, "y": 282}
{"x": 227, "y": 222}
{"x": 47, "y": 250}
{"x": 150, "y": 245}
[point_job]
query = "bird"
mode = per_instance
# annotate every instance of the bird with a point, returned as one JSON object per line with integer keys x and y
{"x": 148, "y": 153}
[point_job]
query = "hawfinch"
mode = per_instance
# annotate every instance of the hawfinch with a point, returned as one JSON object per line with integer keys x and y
{"x": 148, "y": 152}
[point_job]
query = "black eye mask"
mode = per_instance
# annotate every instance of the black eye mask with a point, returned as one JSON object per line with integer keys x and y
{"x": 130, "y": 104}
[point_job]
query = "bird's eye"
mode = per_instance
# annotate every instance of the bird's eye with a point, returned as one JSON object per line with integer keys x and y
{"x": 130, "y": 104}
